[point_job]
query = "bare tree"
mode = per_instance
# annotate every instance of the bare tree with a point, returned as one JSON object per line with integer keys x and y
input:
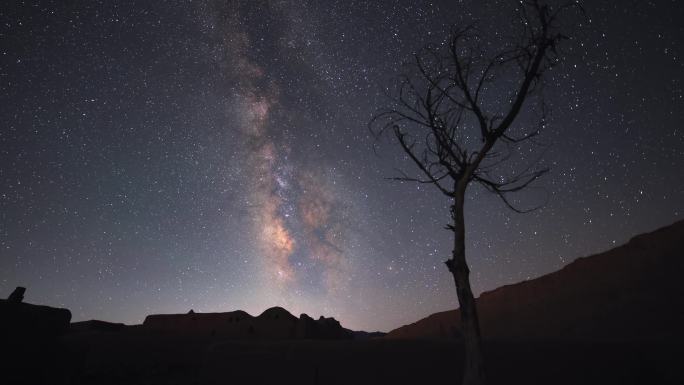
{"x": 456, "y": 116}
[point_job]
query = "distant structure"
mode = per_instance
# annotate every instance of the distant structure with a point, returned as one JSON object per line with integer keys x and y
{"x": 275, "y": 323}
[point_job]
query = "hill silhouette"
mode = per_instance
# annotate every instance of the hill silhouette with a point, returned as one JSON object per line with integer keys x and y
{"x": 612, "y": 318}
{"x": 275, "y": 323}
{"x": 632, "y": 292}
{"x": 27, "y": 321}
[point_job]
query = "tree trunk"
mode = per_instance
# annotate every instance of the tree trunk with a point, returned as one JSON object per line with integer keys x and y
{"x": 473, "y": 369}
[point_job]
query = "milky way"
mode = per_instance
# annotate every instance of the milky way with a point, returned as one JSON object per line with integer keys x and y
{"x": 215, "y": 155}
{"x": 295, "y": 218}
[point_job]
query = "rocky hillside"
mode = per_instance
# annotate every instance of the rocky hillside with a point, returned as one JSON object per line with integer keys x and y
{"x": 632, "y": 292}
{"x": 273, "y": 324}
{"x": 23, "y": 321}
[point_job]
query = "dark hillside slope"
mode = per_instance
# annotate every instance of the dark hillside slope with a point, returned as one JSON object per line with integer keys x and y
{"x": 632, "y": 292}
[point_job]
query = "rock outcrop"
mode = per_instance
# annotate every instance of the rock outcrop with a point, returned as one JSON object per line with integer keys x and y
{"x": 632, "y": 292}
{"x": 322, "y": 329}
{"x": 275, "y": 323}
{"x": 17, "y": 295}
{"x": 23, "y": 321}
{"x": 96, "y": 326}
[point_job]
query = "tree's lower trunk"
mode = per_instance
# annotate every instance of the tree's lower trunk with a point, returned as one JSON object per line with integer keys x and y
{"x": 473, "y": 369}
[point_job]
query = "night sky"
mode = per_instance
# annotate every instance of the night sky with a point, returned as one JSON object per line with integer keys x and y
{"x": 157, "y": 157}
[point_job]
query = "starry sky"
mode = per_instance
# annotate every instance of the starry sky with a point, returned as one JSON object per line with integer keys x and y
{"x": 215, "y": 155}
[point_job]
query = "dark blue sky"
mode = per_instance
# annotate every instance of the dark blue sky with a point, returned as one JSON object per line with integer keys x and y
{"x": 215, "y": 155}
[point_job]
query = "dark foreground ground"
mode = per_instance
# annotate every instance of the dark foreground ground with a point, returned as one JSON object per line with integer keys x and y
{"x": 134, "y": 357}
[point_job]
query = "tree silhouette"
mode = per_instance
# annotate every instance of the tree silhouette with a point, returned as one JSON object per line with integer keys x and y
{"x": 455, "y": 116}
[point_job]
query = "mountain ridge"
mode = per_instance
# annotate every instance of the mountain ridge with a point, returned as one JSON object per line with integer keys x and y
{"x": 602, "y": 296}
